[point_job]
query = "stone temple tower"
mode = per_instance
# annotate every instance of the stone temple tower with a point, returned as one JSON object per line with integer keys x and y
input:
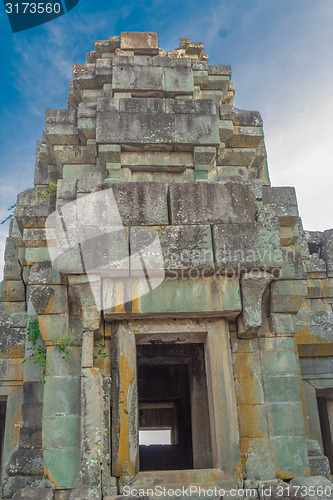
{"x": 155, "y": 281}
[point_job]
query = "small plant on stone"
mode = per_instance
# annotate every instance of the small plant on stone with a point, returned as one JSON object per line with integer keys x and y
{"x": 11, "y": 215}
{"x": 49, "y": 191}
{"x": 100, "y": 353}
{"x": 64, "y": 343}
{"x": 37, "y": 348}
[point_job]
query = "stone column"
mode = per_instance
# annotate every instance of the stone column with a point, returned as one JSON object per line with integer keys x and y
{"x": 125, "y": 456}
{"x": 223, "y": 414}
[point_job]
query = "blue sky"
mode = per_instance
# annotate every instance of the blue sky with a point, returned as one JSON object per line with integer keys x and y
{"x": 281, "y": 53}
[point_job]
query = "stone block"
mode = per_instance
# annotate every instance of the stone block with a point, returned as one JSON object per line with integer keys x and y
{"x": 32, "y": 371}
{"x": 320, "y": 466}
{"x": 60, "y": 126}
{"x": 289, "y": 456}
{"x": 328, "y": 251}
{"x": 226, "y": 129}
{"x": 12, "y": 269}
{"x": 103, "y": 71}
{"x": 279, "y": 363}
{"x": 199, "y": 76}
{"x": 88, "y": 350}
{"x": 12, "y": 341}
{"x": 253, "y": 286}
{"x": 252, "y": 421}
{"x": 129, "y": 77}
{"x": 314, "y": 448}
{"x": 141, "y": 203}
{"x": 26, "y": 462}
{"x": 286, "y": 236}
{"x": 196, "y": 130}
{"x": 75, "y": 155}
{"x": 76, "y": 171}
{"x": 173, "y": 296}
{"x": 250, "y": 391}
{"x": 86, "y": 122}
{"x": 84, "y": 73}
{"x": 12, "y": 484}
{"x": 245, "y": 137}
{"x": 31, "y": 437}
{"x": 285, "y": 199}
{"x": 11, "y": 369}
{"x": 183, "y": 247}
{"x": 61, "y": 432}
{"x": 35, "y": 255}
{"x": 247, "y": 366}
{"x": 34, "y": 213}
{"x": 288, "y": 296}
{"x": 45, "y": 175}
{"x": 89, "y": 182}
{"x": 250, "y": 245}
{"x": 134, "y": 105}
{"x": 214, "y": 203}
{"x": 279, "y": 343}
{"x": 62, "y": 466}
{"x": 12, "y": 291}
{"x": 190, "y": 107}
{"x": 282, "y": 389}
{"x": 109, "y": 153}
{"x": 13, "y": 307}
{"x": 34, "y": 494}
{"x": 91, "y": 318}
{"x": 315, "y": 267}
{"x": 49, "y": 299}
{"x": 43, "y": 273}
{"x": 204, "y": 155}
{"x": 32, "y": 237}
{"x": 58, "y": 365}
{"x": 66, "y": 189}
{"x": 316, "y": 366}
{"x": 247, "y": 118}
{"x": 32, "y": 392}
{"x": 157, "y": 161}
{"x": 257, "y": 453}
{"x": 140, "y": 43}
{"x": 216, "y": 82}
{"x": 32, "y": 414}
{"x": 284, "y": 323}
{"x": 61, "y": 396}
{"x": 318, "y": 323}
{"x": 286, "y": 419}
{"x": 199, "y": 65}
{"x": 238, "y": 157}
{"x": 128, "y": 128}
{"x": 292, "y": 265}
{"x": 178, "y": 80}
{"x": 216, "y": 69}
{"x": 13, "y": 320}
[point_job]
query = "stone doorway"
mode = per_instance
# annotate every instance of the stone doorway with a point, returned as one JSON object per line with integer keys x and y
{"x": 171, "y": 381}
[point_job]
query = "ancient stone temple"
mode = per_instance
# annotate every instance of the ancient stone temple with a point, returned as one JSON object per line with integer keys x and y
{"x": 155, "y": 282}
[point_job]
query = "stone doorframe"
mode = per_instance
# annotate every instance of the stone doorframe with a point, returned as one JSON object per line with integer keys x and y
{"x": 214, "y": 334}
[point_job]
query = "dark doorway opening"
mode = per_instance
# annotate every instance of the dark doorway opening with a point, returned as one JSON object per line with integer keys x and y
{"x": 326, "y": 427}
{"x": 171, "y": 380}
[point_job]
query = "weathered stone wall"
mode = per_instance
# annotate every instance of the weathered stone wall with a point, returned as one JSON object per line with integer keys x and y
{"x": 242, "y": 277}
